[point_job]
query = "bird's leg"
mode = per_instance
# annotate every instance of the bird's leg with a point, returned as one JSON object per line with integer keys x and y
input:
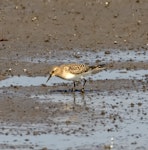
{"x": 74, "y": 98}
{"x": 84, "y": 82}
{"x": 74, "y": 85}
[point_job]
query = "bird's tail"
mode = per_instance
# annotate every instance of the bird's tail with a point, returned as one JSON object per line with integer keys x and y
{"x": 101, "y": 66}
{"x": 98, "y": 68}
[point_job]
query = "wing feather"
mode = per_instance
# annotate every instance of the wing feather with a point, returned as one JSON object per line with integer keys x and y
{"x": 78, "y": 68}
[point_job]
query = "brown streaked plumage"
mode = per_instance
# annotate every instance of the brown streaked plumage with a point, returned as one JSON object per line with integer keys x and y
{"x": 74, "y": 72}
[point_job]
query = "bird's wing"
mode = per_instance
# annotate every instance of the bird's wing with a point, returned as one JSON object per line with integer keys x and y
{"x": 78, "y": 68}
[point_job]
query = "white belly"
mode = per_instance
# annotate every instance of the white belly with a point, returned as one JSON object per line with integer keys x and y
{"x": 73, "y": 77}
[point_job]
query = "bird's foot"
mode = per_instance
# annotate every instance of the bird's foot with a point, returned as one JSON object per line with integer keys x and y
{"x": 73, "y": 90}
{"x": 82, "y": 90}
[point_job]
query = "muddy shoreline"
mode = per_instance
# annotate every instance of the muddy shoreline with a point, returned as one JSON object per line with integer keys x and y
{"x": 36, "y": 35}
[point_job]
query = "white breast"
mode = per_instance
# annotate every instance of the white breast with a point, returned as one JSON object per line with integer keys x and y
{"x": 69, "y": 76}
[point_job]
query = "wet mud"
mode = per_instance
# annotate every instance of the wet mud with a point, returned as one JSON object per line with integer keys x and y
{"x": 112, "y": 113}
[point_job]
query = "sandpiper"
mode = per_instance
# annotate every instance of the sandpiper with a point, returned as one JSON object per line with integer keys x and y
{"x": 74, "y": 72}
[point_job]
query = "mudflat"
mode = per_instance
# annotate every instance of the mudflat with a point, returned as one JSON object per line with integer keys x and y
{"x": 36, "y": 35}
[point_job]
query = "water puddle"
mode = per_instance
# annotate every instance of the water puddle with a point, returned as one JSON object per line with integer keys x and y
{"x": 86, "y": 56}
{"x": 129, "y": 126}
{"x": 56, "y": 96}
{"x": 63, "y": 142}
{"x": 37, "y": 81}
{"x": 47, "y": 140}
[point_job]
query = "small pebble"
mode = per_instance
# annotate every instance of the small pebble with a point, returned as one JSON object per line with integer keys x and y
{"x": 10, "y": 69}
{"x": 34, "y": 18}
{"x": 115, "y": 42}
{"x": 25, "y": 70}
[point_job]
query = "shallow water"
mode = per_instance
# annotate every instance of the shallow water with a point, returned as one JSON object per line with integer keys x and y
{"x": 110, "y": 74}
{"x": 90, "y": 56}
{"x": 128, "y": 124}
{"x": 116, "y": 118}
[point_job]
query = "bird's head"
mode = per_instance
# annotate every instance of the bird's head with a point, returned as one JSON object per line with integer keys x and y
{"x": 53, "y": 72}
